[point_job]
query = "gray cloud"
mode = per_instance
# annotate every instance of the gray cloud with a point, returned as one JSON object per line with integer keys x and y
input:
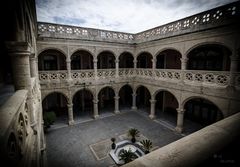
{"x": 120, "y": 15}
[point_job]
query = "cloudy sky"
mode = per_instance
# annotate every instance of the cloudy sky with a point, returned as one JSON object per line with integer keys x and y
{"x": 120, "y": 15}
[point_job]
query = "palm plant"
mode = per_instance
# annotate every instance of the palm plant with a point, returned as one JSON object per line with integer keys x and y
{"x": 127, "y": 156}
{"x": 147, "y": 145}
{"x": 133, "y": 133}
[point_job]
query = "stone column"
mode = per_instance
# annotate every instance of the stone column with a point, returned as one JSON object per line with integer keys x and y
{"x": 116, "y": 111}
{"x": 33, "y": 65}
{"x": 95, "y": 67}
{"x": 184, "y": 63}
{"x": 70, "y": 114}
{"x": 152, "y": 114}
{"x": 117, "y": 67}
{"x": 95, "y": 109}
{"x": 153, "y": 63}
{"x": 68, "y": 61}
{"x": 180, "y": 116}
{"x": 233, "y": 68}
{"x": 20, "y": 53}
{"x": 134, "y": 107}
{"x": 135, "y": 63}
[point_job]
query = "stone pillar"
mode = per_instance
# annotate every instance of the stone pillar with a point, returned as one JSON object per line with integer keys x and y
{"x": 95, "y": 109}
{"x": 70, "y": 114}
{"x": 135, "y": 63}
{"x": 153, "y": 63}
{"x": 68, "y": 61}
{"x": 116, "y": 111}
{"x": 233, "y": 68}
{"x": 33, "y": 66}
{"x": 184, "y": 63}
{"x": 117, "y": 67}
{"x": 20, "y": 53}
{"x": 134, "y": 107}
{"x": 180, "y": 116}
{"x": 95, "y": 67}
{"x": 152, "y": 114}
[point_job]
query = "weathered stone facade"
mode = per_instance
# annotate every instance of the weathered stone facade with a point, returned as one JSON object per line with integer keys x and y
{"x": 21, "y": 116}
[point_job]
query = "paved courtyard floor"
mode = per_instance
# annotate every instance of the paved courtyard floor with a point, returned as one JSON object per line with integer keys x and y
{"x": 88, "y": 142}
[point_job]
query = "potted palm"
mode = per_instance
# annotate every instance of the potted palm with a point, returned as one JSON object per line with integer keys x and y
{"x": 127, "y": 156}
{"x": 113, "y": 143}
{"x": 133, "y": 133}
{"x": 147, "y": 145}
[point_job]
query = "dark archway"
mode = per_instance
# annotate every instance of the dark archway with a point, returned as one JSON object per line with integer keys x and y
{"x": 126, "y": 60}
{"x": 169, "y": 59}
{"x": 210, "y": 57}
{"x": 81, "y": 60}
{"x": 57, "y": 103}
{"x": 125, "y": 94}
{"x": 106, "y": 102}
{"x": 51, "y": 60}
{"x": 144, "y": 60}
{"x": 106, "y": 60}
{"x": 166, "y": 107}
{"x": 201, "y": 112}
{"x": 83, "y": 104}
{"x": 143, "y": 97}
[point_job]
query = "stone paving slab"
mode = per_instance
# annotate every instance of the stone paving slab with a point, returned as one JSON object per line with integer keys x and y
{"x": 73, "y": 146}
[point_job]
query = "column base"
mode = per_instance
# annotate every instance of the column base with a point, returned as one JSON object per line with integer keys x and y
{"x": 70, "y": 123}
{"x": 152, "y": 116}
{"x": 134, "y": 108}
{"x": 96, "y": 116}
{"x": 179, "y": 129}
{"x": 117, "y": 112}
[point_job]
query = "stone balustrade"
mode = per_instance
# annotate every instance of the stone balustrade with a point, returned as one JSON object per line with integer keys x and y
{"x": 215, "y": 78}
{"x": 209, "y": 19}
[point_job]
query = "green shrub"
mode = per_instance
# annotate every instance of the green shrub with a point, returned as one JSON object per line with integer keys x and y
{"x": 49, "y": 118}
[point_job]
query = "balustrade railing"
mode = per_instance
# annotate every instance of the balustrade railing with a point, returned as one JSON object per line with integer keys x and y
{"x": 216, "y": 78}
{"x": 52, "y": 75}
{"x": 209, "y": 19}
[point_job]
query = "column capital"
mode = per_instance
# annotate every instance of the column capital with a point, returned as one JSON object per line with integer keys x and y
{"x": 95, "y": 60}
{"x": 18, "y": 48}
{"x": 152, "y": 101}
{"x": 235, "y": 58}
{"x": 116, "y": 61}
{"x": 180, "y": 110}
{"x": 135, "y": 61}
{"x": 153, "y": 59}
{"x": 70, "y": 105}
{"x": 95, "y": 101}
{"x": 134, "y": 94}
{"x": 184, "y": 60}
{"x": 116, "y": 97}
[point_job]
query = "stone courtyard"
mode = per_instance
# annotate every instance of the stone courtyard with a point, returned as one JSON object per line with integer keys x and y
{"x": 88, "y": 143}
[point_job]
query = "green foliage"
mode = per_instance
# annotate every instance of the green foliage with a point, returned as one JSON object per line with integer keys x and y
{"x": 133, "y": 133}
{"x": 49, "y": 118}
{"x": 127, "y": 156}
{"x": 147, "y": 145}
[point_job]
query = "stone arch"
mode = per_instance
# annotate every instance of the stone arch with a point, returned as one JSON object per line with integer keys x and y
{"x": 213, "y": 101}
{"x": 169, "y": 91}
{"x": 77, "y": 90}
{"x": 144, "y": 60}
{"x": 81, "y": 59}
{"x": 139, "y": 85}
{"x": 125, "y": 60}
{"x": 211, "y": 56}
{"x": 101, "y": 88}
{"x": 125, "y": 85}
{"x": 125, "y": 51}
{"x": 12, "y": 149}
{"x": 167, "y": 48}
{"x": 82, "y": 49}
{"x": 207, "y": 43}
{"x": 106, "y": 99}
{"x": 144, "y": 51}
{"x": 44, "y": 95}
{"x": 106, "y": 60}
{"x": 52, "y": 48}
{"x": 106, "y": 50}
